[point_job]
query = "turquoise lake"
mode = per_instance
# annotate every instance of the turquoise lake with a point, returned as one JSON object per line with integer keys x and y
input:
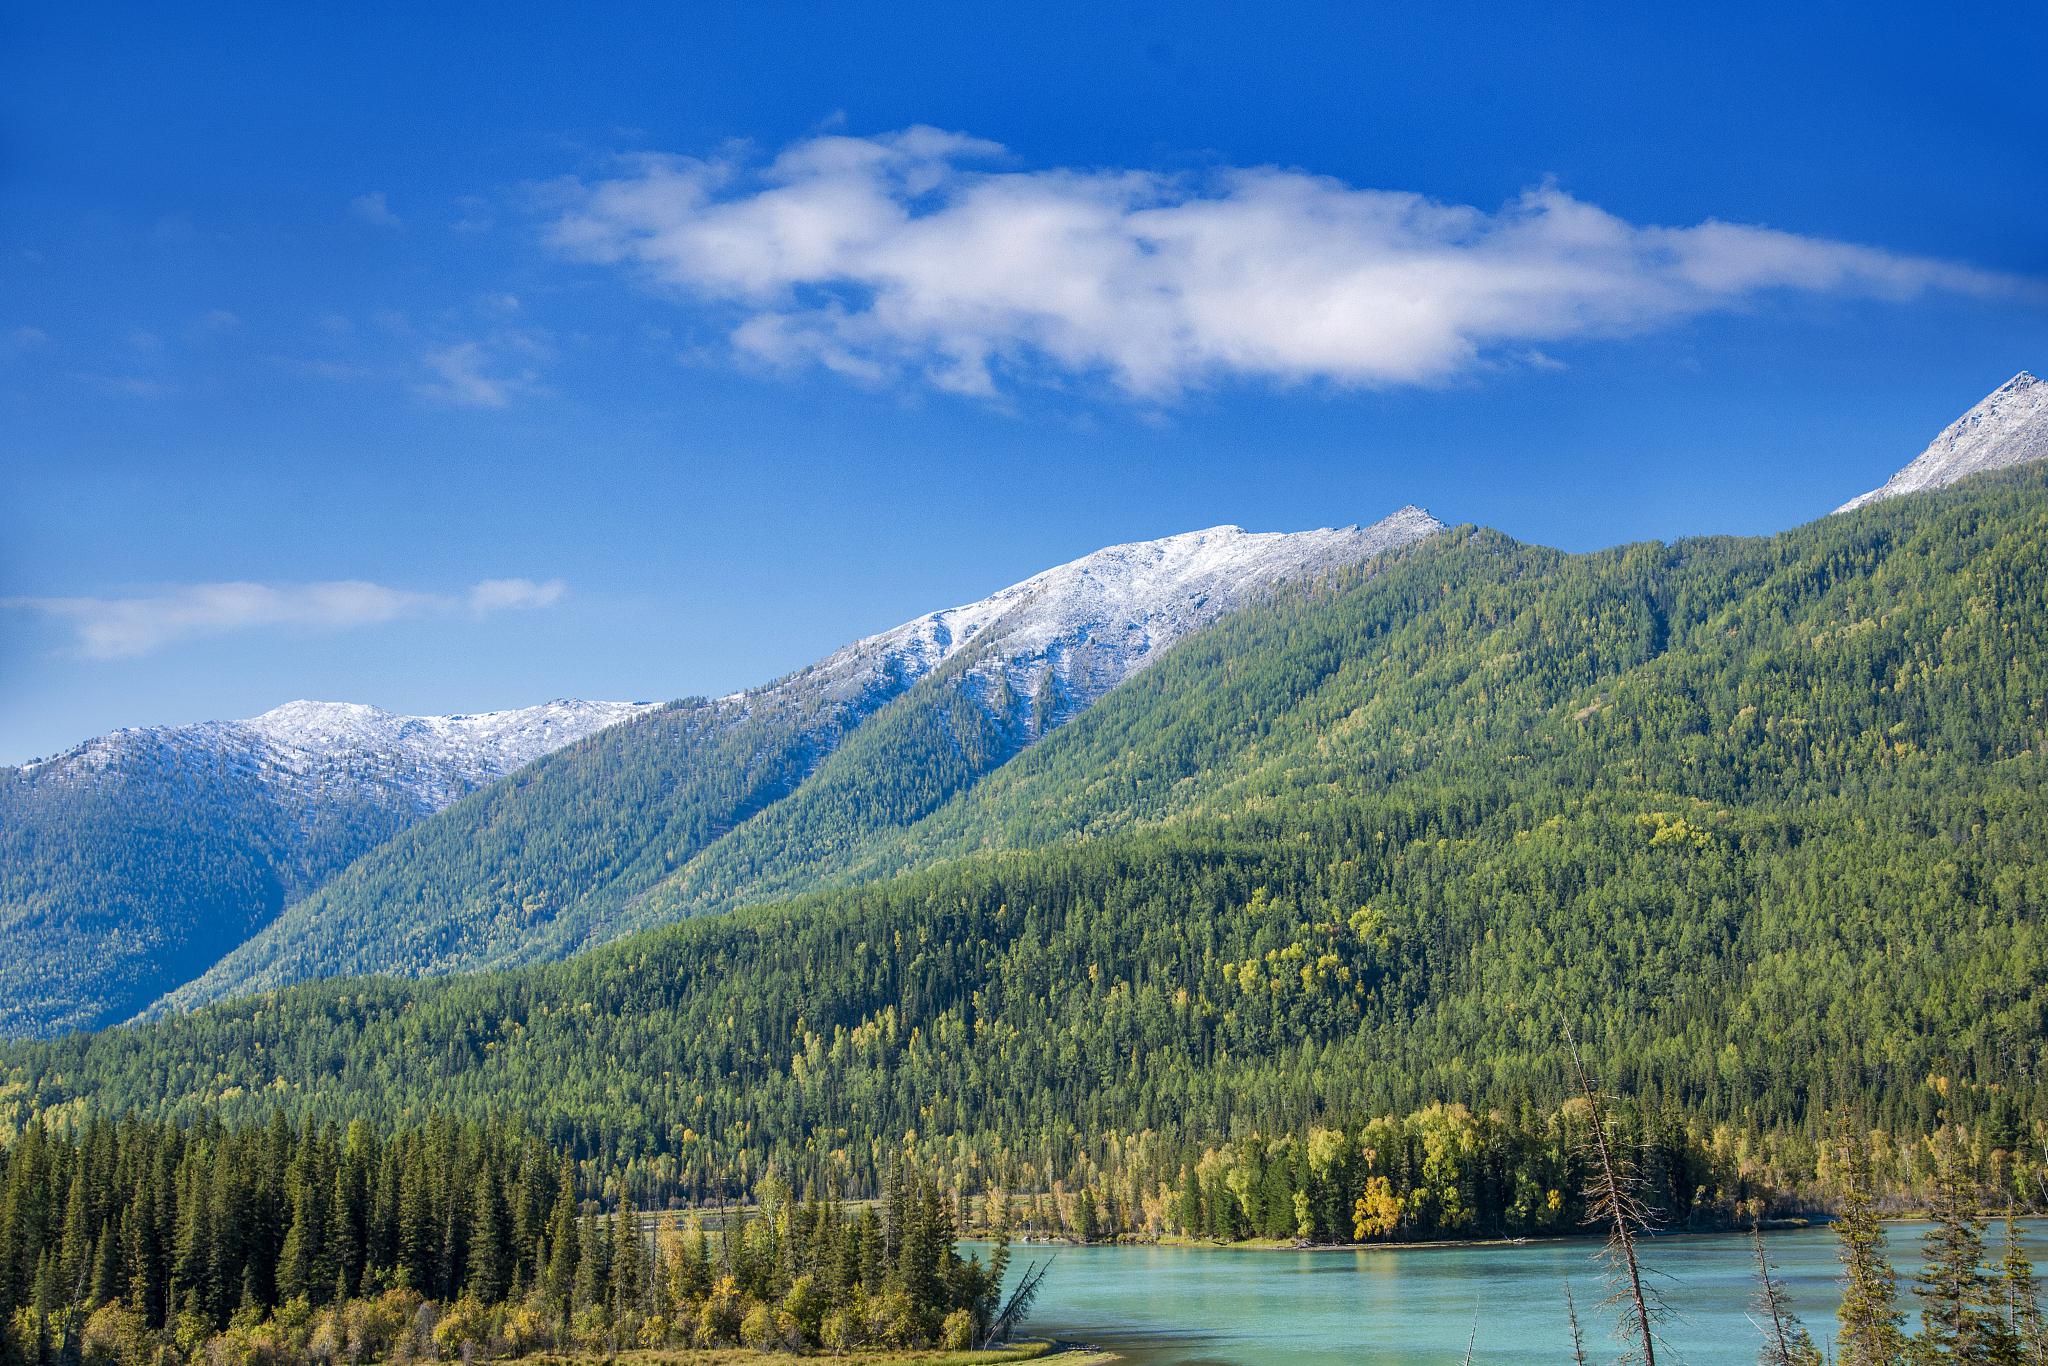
{"x": 1214, "y": 1306}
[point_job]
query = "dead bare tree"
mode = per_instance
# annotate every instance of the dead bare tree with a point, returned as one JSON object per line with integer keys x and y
{"x": 1614, "y": 1199}
{"x": 1018, "y": 1304}
{"x": 1786, "y": 1341}
{"x": 1571, "y": 1314}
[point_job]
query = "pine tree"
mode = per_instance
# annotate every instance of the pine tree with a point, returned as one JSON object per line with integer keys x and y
{"x": 1958, "y": 1321}
{"x": 489, "y": 1238}
{"x": 559, "y": 1282}
{"x": 2026, "y": 1332}
{"x": 1870, "y": 1319}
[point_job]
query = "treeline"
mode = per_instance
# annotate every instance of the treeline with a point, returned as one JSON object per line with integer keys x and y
{"x": 1447, "y": 1172}
{"x": 136, "y": 1242}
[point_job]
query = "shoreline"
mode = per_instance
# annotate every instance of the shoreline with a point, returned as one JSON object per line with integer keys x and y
{"x": 1414, "y": 1245}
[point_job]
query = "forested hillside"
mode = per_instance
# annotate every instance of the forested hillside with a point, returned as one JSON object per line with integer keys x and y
{"x": 114, "y": 888}
{"x": 1764, "y": 818}
{"x": 765, "y": 787}
{"x": 133, "y": 861}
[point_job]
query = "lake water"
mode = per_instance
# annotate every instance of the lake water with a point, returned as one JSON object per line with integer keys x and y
{"x": 1168, "y": 1306}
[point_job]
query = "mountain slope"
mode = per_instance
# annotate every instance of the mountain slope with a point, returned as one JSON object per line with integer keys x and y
{"x": 2008, "y": 427}
{"x": 876, "y": 734}
{"x": 130, "y": 862}
{"x": 1767, "y": 819}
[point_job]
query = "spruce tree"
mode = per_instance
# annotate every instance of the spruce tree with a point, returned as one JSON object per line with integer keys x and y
{"x": 559, "y": 1281}
{"x": 73, "y": 1267}
{"x": 593, "y": 1263}
{"x": 1957, "y": 1316}
{"x": 629, "y": 1266}
{"x": 2026, "y": 1333}
{"x": 1868, "y": 1314}
{"x": 489, "y": 1238}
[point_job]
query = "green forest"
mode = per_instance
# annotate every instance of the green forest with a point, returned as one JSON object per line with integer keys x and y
{"x": 130, "y": 1242}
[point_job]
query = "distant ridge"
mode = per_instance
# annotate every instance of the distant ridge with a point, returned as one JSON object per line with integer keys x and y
{"x": 134, "y": 860}
{"x": 314, "y": 747}
{"x": 2008, "y": 427}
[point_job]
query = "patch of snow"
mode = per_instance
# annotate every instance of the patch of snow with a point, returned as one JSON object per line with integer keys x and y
{"x": 2009, "y": 427}
{"x": 319, "y": 751}
{"x": 1094, "y": 622}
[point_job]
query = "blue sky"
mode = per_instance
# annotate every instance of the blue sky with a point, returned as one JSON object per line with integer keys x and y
{"x": 464, "y": 359}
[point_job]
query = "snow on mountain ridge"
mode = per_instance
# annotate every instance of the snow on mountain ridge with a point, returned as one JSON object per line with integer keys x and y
{"x": 2008, "y": 427}
{"x": 1095, "y": 621}
{"x": 309, "y": 749}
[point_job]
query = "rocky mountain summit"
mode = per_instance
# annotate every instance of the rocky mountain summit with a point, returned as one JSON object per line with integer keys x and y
{"x": 2008, "y": 427}
{"x": 1093, "y": 622}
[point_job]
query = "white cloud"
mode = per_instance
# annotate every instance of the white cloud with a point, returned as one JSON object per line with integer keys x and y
{"x": 904, "y": 254}
{"x": 462, "y": 375}
{"x": 375, "y": 209}
{"x": 120, "y": 628}
{"x": 498, "y": 595}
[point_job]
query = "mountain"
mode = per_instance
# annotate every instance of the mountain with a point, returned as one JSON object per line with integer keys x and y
{"x": 2009, "y": 427}
{"x": 134, "y": 860}
{"x": 1764, "y": 819}
{"x": 759, "y": 791}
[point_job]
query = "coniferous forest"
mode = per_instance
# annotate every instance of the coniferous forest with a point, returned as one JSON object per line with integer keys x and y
{"x": 129, "y": 1239}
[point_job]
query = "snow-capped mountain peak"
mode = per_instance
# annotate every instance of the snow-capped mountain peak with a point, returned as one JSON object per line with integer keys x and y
{"x": 1087, "y": 625}
{"x": 2009, "y": 427}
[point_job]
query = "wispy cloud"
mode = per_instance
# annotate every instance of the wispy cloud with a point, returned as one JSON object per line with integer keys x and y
{"x": 469, "y": 375}
{"x": 374, "y": 208}
{"x": 903, "y": 254}
{"x": 124, "y": 627}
